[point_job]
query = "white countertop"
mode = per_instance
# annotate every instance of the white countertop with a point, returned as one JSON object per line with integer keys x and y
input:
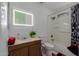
{"x": 20, "y": 41}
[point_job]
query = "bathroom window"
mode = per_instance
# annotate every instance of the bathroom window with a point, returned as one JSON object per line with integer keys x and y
{"x": 21, "y": 18}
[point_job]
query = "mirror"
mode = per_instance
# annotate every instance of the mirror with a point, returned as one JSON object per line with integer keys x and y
{"x": 21, "y": 18}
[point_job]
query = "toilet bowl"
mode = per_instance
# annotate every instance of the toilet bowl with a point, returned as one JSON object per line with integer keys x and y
{"x": 49, "y": 45}
{"x": 47, "y": 49}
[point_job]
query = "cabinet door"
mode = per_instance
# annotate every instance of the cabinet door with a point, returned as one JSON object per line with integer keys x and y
{"x": 19, "y": 52}
{"x": 35, "y": 50}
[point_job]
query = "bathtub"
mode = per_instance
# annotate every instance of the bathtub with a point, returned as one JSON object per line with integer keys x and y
{"x": 48, "y": 48}
{"x": 63, "y": 49}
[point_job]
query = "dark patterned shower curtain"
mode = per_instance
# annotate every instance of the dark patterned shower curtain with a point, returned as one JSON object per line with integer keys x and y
{"x": 75, "y": 24}
{"x": 74, "y": 48}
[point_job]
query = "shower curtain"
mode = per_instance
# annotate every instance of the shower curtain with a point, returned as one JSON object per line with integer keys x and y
{"x": 74, "y": 48}
{"x": 75, "y": 24}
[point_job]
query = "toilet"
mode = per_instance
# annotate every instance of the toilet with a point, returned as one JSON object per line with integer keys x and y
{"x": 48, "y": 49}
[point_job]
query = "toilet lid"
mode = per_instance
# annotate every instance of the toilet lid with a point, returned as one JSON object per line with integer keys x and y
{"x": 49, "y": 45}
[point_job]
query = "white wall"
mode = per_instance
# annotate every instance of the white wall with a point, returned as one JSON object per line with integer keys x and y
{"x": 52, "y": 24}
{"x": 40, "y": 19}
{"x": 61, "y": 28}
{"x": 62, "y": 8}
{"x": 61, "y": 31}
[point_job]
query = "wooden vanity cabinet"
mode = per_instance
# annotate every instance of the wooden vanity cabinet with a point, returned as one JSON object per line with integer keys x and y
{"x": 34, "y": 50}
{"x": 26, "y": 49}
